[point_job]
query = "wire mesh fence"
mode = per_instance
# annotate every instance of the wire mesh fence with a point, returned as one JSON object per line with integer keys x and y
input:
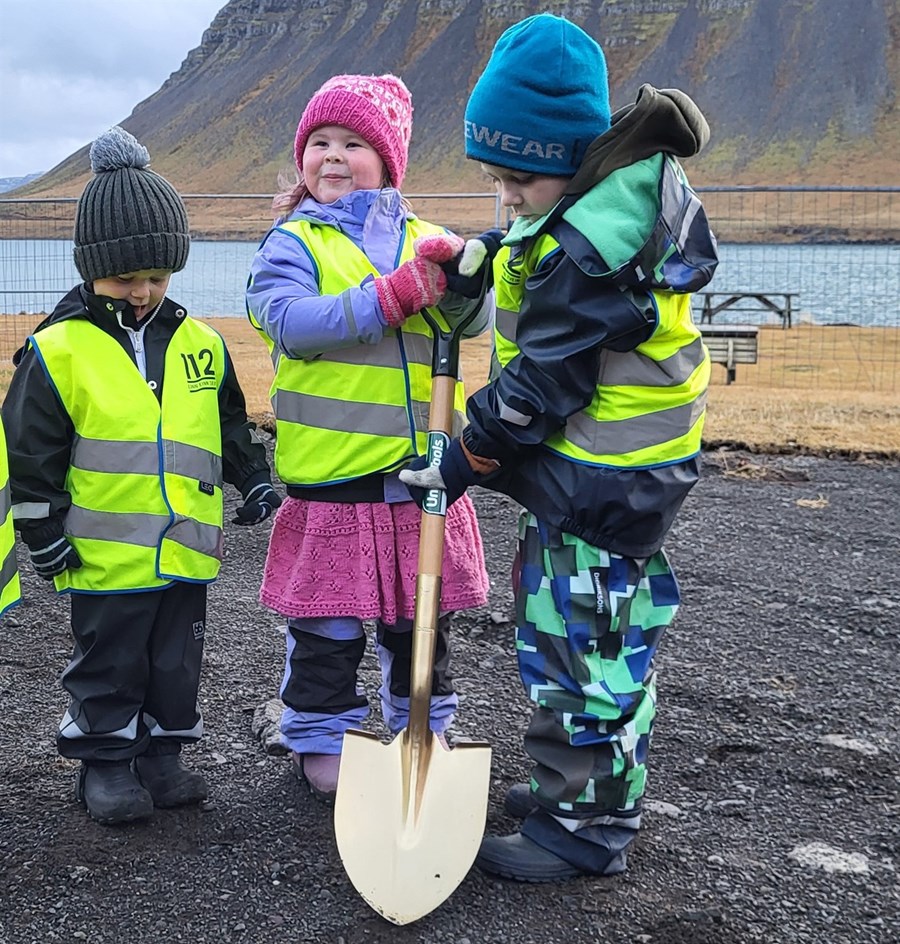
{"x": 816, "y": 270}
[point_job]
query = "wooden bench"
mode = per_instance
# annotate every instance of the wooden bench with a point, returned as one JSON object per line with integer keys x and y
{"x": 782, "y": 303}
{"x": 731, "y": 345}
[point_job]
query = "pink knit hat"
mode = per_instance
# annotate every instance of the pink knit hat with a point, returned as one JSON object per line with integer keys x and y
{"x": 377, "y": 107}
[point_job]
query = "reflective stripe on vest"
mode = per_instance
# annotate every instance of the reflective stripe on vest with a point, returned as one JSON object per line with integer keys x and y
{"x": 10, "y": 588}
{"x": 145, "y": 478}
{"x": 356, "y": 410}
{"x": 649, "y": 404}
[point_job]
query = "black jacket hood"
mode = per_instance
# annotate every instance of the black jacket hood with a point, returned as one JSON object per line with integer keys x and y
{"x": 664, "y": 120}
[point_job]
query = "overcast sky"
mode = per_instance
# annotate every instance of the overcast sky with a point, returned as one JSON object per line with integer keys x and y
{"x": 70, "y": 69}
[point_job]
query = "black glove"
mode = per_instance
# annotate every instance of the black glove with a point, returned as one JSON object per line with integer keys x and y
{"x": 454, "y": 475}
{"x": 259, "y": 503}
{"x": 465, "y": 272}
{"x": 51, "y": 558}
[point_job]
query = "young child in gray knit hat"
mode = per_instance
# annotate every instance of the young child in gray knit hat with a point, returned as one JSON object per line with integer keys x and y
{"x": 124, "y": 418}
{"x": 128, "y": 217}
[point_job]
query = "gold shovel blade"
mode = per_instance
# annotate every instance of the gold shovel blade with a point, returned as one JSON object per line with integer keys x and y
{"x": 408, "y": 819}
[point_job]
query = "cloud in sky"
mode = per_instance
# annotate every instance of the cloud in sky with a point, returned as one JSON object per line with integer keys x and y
{"x": 69, "y": 69}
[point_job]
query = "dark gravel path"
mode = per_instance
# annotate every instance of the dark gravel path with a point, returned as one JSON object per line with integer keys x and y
{"x": 773, "y": 800}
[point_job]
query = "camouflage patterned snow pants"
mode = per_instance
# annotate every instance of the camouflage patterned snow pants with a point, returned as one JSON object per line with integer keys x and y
{"x": 588, "y": 626}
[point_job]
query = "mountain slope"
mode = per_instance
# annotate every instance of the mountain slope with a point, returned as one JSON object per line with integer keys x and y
{"x": 798, "y": 91}
{"x": 11, "y": 183}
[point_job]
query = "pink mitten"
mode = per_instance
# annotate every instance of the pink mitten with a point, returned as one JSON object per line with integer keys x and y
{"x": 439, "y": 248}
{"x": 414, "y": 286}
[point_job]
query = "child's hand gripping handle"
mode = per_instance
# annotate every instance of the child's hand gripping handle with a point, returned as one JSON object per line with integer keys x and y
{"x": 440, "y": 477}
{"x": 416, "y": 284}
{"x": 449, "y": 468}
{"x": 469, "y": 270}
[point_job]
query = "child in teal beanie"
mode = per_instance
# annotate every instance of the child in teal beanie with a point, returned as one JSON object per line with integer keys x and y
{"x": 549, "y": 70}
{"x": 591, "y": 422}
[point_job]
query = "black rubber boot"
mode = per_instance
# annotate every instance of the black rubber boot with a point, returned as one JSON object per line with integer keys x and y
{"x": 112, "y": 794}
{"x": 522, "y": 860}
{"x": 519, "y": 801}
{"x": 170, "y": 783}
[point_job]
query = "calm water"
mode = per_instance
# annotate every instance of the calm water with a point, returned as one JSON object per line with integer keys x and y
{"x": 837, "y": 284}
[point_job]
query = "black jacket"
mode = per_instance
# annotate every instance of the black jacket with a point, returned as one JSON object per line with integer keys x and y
{"x": 40, "y": 433}
{"x": 571, "y": 313}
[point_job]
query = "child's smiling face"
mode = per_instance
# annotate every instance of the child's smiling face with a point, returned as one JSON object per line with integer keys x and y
{"x": 530, "y": 195}
{"x": 337, "y": 161}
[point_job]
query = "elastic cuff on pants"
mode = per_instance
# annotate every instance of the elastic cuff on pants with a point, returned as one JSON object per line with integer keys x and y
{"x": 441, "y": 712}
{"x": 598, "y": 850}
{"x": 159, "y": 746}
{"x": 317, "y": 733}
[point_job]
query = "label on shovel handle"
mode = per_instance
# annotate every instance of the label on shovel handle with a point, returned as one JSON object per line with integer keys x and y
{"x": 436, "y": 498}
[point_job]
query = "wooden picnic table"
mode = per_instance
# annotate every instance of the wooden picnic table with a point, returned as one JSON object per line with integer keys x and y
{"x": 782, "y": 303}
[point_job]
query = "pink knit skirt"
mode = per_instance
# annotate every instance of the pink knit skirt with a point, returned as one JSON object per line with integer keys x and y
{"x": 328, "y": 559}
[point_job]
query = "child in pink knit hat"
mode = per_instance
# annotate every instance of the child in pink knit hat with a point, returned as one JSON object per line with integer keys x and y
{"x": 335, "y": 289}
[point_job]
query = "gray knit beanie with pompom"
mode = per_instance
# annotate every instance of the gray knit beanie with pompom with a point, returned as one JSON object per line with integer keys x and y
{"x": 129, "y": 218}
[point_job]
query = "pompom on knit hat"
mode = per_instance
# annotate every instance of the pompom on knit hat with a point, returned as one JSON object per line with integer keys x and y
{"x": 542, "y": 99}
{"x": 376, "y": 107}
{"x": 128, "y": 218}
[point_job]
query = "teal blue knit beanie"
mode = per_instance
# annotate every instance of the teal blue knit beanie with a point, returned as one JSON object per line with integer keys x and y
{"x": 541, "y": 100}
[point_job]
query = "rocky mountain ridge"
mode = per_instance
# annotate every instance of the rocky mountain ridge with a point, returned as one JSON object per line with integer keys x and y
{"x": 795, "y": 92}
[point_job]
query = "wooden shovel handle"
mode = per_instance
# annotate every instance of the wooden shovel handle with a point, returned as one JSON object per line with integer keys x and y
{"x": 444, "y": 370}
{"x": 428, "y": 581}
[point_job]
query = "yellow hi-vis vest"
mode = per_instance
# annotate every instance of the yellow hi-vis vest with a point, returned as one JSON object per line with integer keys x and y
{"x": 649, "y": 404}
{"x": 357, "y": 410}
{"x": 10, "y": 590}
{"x": 145, "y": 478}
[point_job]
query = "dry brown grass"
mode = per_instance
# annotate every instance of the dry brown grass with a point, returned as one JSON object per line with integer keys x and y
{"x": 817, "y": 389}
{"x": 821, "y": 421}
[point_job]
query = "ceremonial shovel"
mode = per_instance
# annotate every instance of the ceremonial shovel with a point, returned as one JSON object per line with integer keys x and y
{"x": 409, "y": 816}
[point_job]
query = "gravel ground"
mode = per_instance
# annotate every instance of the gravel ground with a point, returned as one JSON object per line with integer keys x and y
{"x": 772, "y": 809}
